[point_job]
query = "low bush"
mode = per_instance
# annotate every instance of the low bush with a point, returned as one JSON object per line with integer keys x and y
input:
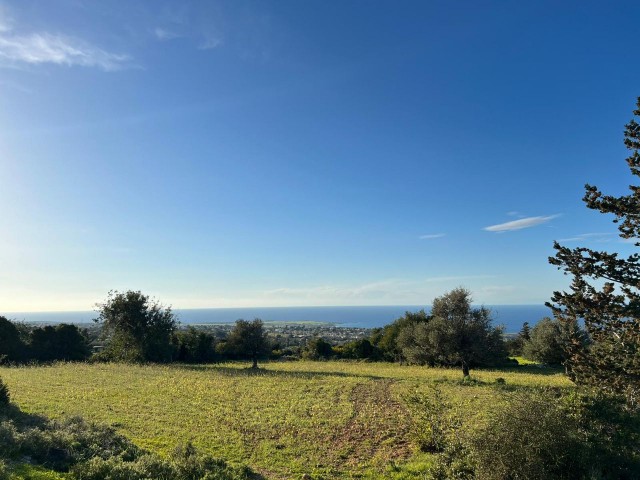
{"x": 530, "y": 437}
{"x": 5, "y": 398}
{"x": 92, "y": 452}
{"x": 539, "y": 434}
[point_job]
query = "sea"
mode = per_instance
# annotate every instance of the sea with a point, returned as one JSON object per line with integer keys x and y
{"x": 510, "y": 316}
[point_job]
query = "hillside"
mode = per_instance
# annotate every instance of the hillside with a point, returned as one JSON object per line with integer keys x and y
{"x": 324, "y": 419}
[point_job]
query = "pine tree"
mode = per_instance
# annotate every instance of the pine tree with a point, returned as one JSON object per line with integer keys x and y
{"x": 525, "y": 332}
{"x": 605, "y": 292}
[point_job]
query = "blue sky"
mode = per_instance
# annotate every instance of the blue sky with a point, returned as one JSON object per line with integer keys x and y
{"x": 305, "y": 153}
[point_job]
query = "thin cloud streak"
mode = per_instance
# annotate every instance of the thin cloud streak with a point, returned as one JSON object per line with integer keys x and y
{"x": 431, "y": 236}
{"x": 40, "y": 48}
{"x": 594, "y": 237}
{"x": 520, "y": 224}
{"x": 163, "y": 34}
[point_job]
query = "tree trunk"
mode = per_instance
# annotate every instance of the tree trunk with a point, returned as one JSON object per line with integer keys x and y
{"x": 465, "y": 369}
{"x": 255, "y": 362}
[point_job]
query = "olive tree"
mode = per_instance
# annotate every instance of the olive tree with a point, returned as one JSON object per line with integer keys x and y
{"x": 248, "y": 339}
{"x": 138, "y": 328}
{"x": 455, "y": 335}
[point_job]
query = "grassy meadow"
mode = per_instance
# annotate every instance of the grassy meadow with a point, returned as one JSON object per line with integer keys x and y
{"x": 325, "y": 419}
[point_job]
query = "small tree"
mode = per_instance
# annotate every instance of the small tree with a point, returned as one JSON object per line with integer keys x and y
{"x": 605, "y": 292}
{"x": 317, "y": 348}
{"x": 546, "y": 343}
{"x": 139, "y": 328}
{"x": 386, "y": 339}
{"x": 194, "y": 346}
{"x": 62, "y": 342}
{"x": 455, "y": 335}
{"x": 5, "y": 397}
{"x": 12, "y": 348}
{"x": 248, "y": 339}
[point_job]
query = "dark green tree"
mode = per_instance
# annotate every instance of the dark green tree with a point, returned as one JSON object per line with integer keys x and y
{"x": 193, "y": 346}
{"x": 605, "y": 292}
{"x": 138, "y": 328}
{"x": 62, "y": 342}
{"x": 546, "y": 343}
{"x": 317, "y": 349}
{"x": 457, "y": 334}
{"x": 12, "y": 348}
{"x": 249, "y": 340}
{"x": 525, "y": 332}
{"x": 386, "y": 338}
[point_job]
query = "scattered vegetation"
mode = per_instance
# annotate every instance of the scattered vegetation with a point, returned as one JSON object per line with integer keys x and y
{"x": 87, "y": 451}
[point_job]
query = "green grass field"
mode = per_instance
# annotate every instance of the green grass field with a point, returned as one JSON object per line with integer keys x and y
{"x": 325, "y": 419}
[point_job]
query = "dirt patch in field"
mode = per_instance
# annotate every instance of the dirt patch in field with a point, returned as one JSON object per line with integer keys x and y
{"x": 377, "y": 431}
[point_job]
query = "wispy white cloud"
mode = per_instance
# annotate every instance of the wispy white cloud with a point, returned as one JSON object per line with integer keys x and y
{"x": 37, "y": 48}
{"x": 165, "y": 34}
{"x": 40, "y": 48}
{"x": 431, "y": 236}
{"x": 210, "y": 42}
{"x": 390, "y": 290}
{"x": 594, "y": 237}
{"x": 527, "y": 222}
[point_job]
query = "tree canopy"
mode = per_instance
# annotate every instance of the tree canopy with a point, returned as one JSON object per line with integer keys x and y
{"x": 248, "y": 339}
{"x": 138, "y": 328}
{"x": 605, "y": 291}
{"x": 455, "y": 334}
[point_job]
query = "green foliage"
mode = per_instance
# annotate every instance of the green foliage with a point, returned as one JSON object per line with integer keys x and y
{"x": 5, "y": 397}
{"x": 317, "y": 349}
{"x": 360, "y": 350}
{"x": 545, "y": 344}
{"x": 605, "y": 292}
{"x": 456, "y": 335}
{"x": 184, "y": 464}
{"x": 386, "y": 338}
{"x": 193, "y": 346}
{"x": 12, "y": 348}
{"x": 248, "y": 340}
{"x": 62, "y": 342}
{"x": 530, "y": 437}
{"x": 139, "y": 328}
{"x": 434, "y": 420}
{"x": 536, "y": 434}
{"x": 93, "y": 452}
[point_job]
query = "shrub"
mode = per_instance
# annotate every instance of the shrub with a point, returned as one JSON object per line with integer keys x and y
{"x": 94, "y": 452}
{"x": 530, "y": 437}
{"x": 5, "y": 398}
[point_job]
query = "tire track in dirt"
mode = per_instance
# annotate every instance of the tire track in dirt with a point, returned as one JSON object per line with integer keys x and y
{"x": 378, "y": 429}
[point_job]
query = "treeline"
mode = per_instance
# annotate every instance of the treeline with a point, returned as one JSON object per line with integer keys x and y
{"x": 136, "y": 328}
{"x": 23, "y": 343}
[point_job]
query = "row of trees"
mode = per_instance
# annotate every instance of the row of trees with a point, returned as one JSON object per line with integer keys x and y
{"x": 454, "y": 334}
{"x": 22, "y": 343}
{"x": 137, "y": 328}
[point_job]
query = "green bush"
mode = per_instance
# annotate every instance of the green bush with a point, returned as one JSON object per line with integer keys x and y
{"x": 5, "y": 398}
{"x": 92, "y": 452}
{"x": 184, "y": 464}
{"x": 530, "y": 437}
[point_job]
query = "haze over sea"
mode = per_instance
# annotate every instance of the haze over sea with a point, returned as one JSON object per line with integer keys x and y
{"x": 511, "y": 316}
